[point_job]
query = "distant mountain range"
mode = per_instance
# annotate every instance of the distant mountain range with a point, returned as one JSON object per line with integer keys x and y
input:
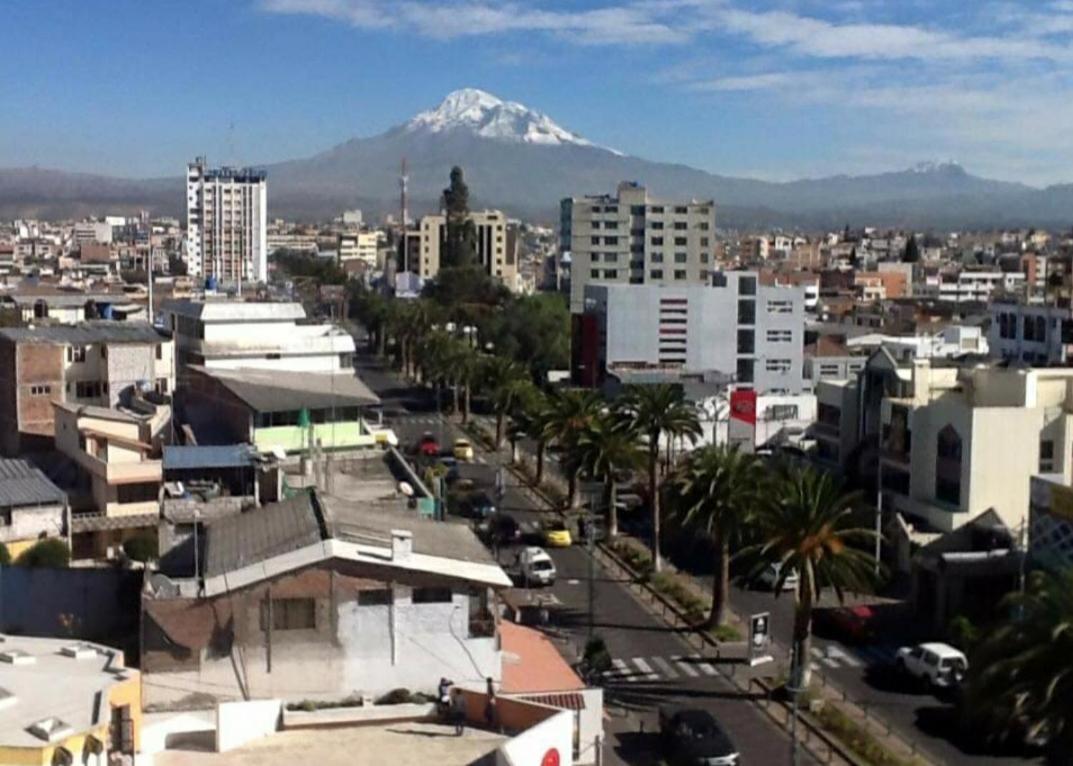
{"x": 522, "y": 161}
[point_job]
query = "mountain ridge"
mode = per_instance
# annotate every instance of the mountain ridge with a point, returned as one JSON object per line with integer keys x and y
{"x": 522, "y": 161}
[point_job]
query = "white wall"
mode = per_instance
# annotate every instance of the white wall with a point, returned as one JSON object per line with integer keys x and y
{"x": 531, "y": 746}
{"x": 240, "y": 722}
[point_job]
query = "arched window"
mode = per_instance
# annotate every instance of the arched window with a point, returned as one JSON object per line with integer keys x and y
{"x": 948, "y": 466}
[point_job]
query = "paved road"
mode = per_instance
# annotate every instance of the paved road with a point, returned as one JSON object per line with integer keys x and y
{"x": 654, "y": 665}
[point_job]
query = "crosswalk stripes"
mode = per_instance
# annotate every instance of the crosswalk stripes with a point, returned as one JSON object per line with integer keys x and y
{"x": 620, "y": 669}
{"x": 662, "y": 664}
{"x": 822, "y": 656}
{"x": 836, "y": 653}
{"x": 686, "y": 667}
{"x": 646, "y": 669}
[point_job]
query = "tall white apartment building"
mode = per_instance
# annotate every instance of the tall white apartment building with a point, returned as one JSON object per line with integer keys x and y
{"x": 496, "y": 247}
{"x": 226, "y": 223}
{"x": 633, "y": 239}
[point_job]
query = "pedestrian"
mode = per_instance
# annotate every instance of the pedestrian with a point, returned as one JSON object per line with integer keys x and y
{"x": 458, "y": 711}
{"x": 490, "y": 707}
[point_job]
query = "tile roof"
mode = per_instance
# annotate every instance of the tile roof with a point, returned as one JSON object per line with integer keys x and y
{"x": 532, "y": 663}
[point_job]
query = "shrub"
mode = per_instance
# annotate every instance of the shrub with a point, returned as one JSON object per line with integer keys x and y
{"x": 726, "y": 633}
{"x": 142, "y": 548}
{"x": 397, "y": 697}
{"x": 858, "y": 738}
{"x": 46, "y": 553}
{"x": 596, "y": 656}
{"x": 5, "y": 555}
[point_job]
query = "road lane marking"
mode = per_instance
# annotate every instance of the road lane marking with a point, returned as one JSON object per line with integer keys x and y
{"x": 705, "y": 668}
{"x": 662, "y": 664}
{"x": 837, "y": 653}
{"x": 820, "y": 655}
{"x": 621, "y": 670}
{"x": 646, "y": 670}
{"x": 685, "y": 667}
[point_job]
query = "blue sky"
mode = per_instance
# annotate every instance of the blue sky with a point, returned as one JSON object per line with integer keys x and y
{"x": 776, "y": 89}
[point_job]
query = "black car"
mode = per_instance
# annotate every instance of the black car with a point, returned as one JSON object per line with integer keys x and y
{"x": 692, "y": 737}
{"x": 500, "y": 530}
{"x": 479, "y": 505}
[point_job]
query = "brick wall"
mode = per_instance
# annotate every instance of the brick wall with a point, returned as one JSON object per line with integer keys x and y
{"x": 38, "y": 364}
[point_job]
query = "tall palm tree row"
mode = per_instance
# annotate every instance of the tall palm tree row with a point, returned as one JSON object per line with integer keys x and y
{"x": 713, "y": 494}
{"x": 501, "y": 378}
{"x": 807, "y": 524}
{"x": 569, "y": 413}
{"x": 1021, "y": 676}
{"x": 656, "y": 412}
{"x": 603, "y": 450}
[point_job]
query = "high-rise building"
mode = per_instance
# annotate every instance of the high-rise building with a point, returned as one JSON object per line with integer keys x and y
{"x": 634, "y": 239}
{"x": 226, "y": 223}
{"x": 494, "y": 250}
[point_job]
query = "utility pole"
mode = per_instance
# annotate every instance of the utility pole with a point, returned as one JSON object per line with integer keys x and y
{"x": 879, "y": 514}
{"x": 793, "y": 689}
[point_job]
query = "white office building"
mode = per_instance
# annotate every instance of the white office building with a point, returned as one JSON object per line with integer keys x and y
{"x": 226, "y": 223}
{"x": 633, "y": 239}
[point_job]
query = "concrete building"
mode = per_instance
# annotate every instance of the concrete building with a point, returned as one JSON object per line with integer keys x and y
{"x": 323, "y": 598}
{"x": 286, "y": 412}
{"x": 750, "y": 332}
{"x": 226, "y": 223}
{"x": 633, "y": 239}
{"x": 268, "y": 336}
{"x": 971, "y": 286}
{"x": 1033, "y": 333}
{"x": 361, "y": 246}
{"x": 118, "y": 454}
{"x": 494, "y": 252}
{"x": 32, "y": 508}
{"x": 67, "y": 702}
{"x": 97, "y": 363}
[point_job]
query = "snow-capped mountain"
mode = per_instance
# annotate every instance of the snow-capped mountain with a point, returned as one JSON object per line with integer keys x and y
{"x": 488, "y": 116}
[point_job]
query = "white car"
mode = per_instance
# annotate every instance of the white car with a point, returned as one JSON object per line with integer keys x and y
{"x": 769, "y": 578}
{"x": 940, "y": 665}
{"x": 535, "y": 567}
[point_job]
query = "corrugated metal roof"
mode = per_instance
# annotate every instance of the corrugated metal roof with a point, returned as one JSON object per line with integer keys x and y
{"x": 86, "y": 333}
{"x": 283, "y": 391}
{"x": 22, "y": 483}
{"x": 180, "y": 458}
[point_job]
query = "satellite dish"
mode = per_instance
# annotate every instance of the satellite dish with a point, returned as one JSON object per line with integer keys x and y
{"x": 406, "y": 489}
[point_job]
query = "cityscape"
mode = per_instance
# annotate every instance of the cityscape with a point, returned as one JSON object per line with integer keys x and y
{"x": 473, "y": 440}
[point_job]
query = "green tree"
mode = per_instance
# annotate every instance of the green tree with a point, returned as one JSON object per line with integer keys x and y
{"x": 912, "y": 250}
{"x": 51, "y": 552}
{"x": 806, "y": 523}
{"x": 142, "y": 547}
{"x": 570, "y": 412}
{"x": 460, "y": 247}
{"x": 531, "y": 420}
{"x": 714, "y": 492}
{"x": 658, "y": 411}
{"x": 534, "y": 330}
{"x": 1020, "y": 677}
{"x": 603, "y": 450}
{"x": 501, "y": 378}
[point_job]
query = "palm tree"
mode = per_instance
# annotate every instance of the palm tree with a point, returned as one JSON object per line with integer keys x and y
{"x": 1021, "y": 676}
{"x": 603, "y": 450}
{"x": 501, "y": 378}
{"x": 529, "y": 419}
{"x": 714, "y": 493}
{"x": 807, "y": 524}
{"x": 570, "y": 412}
{"x": 657, "y": 411}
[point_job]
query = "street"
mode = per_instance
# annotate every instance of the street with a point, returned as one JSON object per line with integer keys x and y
{"x": 653, "y": 664}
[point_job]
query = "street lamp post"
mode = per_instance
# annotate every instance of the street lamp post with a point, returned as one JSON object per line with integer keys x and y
{"x": 794, "y": 690}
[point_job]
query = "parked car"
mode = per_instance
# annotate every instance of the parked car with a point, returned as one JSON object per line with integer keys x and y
{"x": 535, "y": 567}
{"x": 428, "y": 446}
{"x": 769, "y": 578}
{"x": 851, "y": 624}
{"x": 463, "y": 450}
{"x": 940, "y": 665}
{"x": 499, "y": 529}
{"x": 556, "y": 534}
{"x": 692, "y": 737}
{"x": 479, "y": 506}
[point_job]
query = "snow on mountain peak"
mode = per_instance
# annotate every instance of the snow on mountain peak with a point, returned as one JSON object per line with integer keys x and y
{"x": 487, "y": 116}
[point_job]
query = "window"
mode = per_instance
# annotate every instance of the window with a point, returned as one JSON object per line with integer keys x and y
{"x": 655, "y": 274}
{"x": 159, "y": 351}
{"x": 161, "y": 385}
{"x": 289, "y": 614}
{"x": 781, "y": 412}
{"x": 657, "y": 225}
{"x": 745, "y": 370}
{"x": 703, "y": 226}
{"x": 681, "y": 210}
{"x": 594, "y": 273}
{"x": 104, "y": 352}
{"x": 656, "y": 209}
{"x": 681, "y": 257}
{"x": 829, "y": 370}
{"x": 144, "y": 492}
{"x": 679, "y": 273}
{"x": 746, "y": 312}
{"x": 704, "y": 258}
{"x": 375, "y": 597}
{"x": 780, "y": 307}
{"x": 1046, "y": 456}
{"x": 87, "y": 389}
{"x": 746, "y": 342}
{"x": 780, "y": 336}
{"x": 703, "y": 241}
{"x": 637, "y": 210}
{"x": 778, "y": 365}
{"x": 610, "y": 224}
{"x": 657, "y": 241}
{"x": 432, "y": 596}
{"x": 77, "y": 354}
{"x": 680, "y": 226}
{"x": 948, "y": 466}
{"x": 657, "y": 258}
{"x": 594, "y": 240}
{"x": 747, "y": 286}
{"x": 680, "y": 241}
{"x": 829, "y": 415}
{"x": 610, "y": 273}
{"x": 610, "y": 240}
